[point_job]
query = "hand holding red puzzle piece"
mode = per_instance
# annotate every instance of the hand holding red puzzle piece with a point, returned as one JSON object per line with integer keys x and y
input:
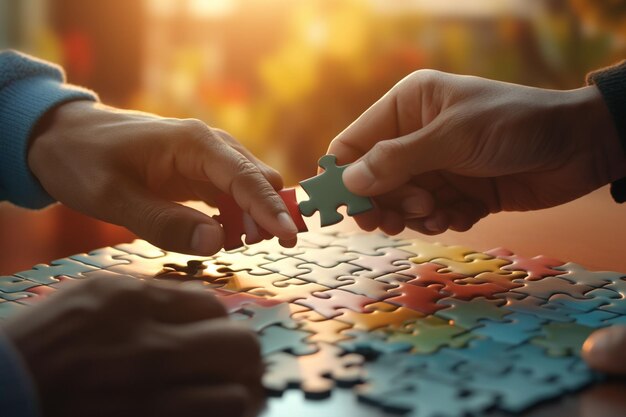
{"x": 326, "y": 191}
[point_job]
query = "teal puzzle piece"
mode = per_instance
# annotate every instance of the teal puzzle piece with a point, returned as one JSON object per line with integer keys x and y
{"x": 327, "y": 193}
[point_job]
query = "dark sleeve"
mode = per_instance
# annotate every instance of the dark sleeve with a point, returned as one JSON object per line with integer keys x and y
{"x": 611, "y": 82}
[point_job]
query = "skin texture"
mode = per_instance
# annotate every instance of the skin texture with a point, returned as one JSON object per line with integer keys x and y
{"x": 441, "y": 151}
{"x": 125, "y": 347}
{"x": 129, "y": 168}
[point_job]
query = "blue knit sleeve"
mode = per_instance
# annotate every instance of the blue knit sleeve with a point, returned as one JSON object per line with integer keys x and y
{"x": 28, "y": 89}
{"x": 17, "y": 393}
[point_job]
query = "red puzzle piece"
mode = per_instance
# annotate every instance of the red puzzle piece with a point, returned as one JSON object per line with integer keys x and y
{"x": 457, "y": 285}
{"x": 418, "y": 298}
{"x": 537, "y": 268}
{"x": 232, "y": 218}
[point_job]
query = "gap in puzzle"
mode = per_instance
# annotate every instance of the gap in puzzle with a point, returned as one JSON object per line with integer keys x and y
{"x": 405, "y": 326}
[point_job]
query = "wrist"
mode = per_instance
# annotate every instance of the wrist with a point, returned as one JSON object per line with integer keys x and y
{"x": 593, "y": 120}
{"x": 49, "y": 131}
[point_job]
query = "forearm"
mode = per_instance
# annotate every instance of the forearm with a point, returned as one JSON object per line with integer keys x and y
{"x": 29, "y": 88}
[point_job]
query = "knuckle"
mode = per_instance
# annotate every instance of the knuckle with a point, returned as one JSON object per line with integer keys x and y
{"x": 196, "y": 128}
{"x": 385, "y": 151}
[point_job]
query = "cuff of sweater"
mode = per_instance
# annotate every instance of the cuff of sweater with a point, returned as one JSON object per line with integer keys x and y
{"x": 17, "y": 391}
{"x": 612, "y": 84}
{"x": 22, "y": 104}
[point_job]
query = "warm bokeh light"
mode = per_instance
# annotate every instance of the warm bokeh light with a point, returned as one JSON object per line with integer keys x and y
{"x": 285, "y": 76}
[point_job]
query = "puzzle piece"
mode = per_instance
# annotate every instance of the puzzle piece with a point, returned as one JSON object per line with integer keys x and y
{"x": 428, "y": 397}
{"x": 516, "y": 391}
{"x": 234, "y": 301}
{"x": 474, "y": 264}
{"x": 484, "y": 356}
{"x": 101, "y": 258}
{"x": 547, "y": 287}
{"x": 329, "y": 277}
{"x": 371, "y": 344}
{"x": 289, "y": 267}
{"x": 327, "y": 193}
{"x": 326, "y": 257}
{"x": 46, "y": 274}
{"x": 391, "y": 260}
{"x": 12, "y": 283}
{"x": 240, "y": 261}
{"x": 536, "y": 307}
{"x": 261, "y": 317}
{"x": 561, "y": 339}
{"x": 292, "y": 290}
{"x": 536, "y": 268}
{"x": 323, "y": 329}
{"x": 456, "y": 285}
{"x": 515, "y": 329}
{"x": 418, "y": 298}
{"x": 315, "y": 374}
{"x": 242, "y": 281}
{"x": 371, "y": 244}
{"x": 426, "y": 252}
{"x": 278, "y": 339}
{"x": 578, "y": 274}
{"x": 430, "y": 334}
{"x": 328, "y": 302}
{"x": 378, "y": 315}
{"x": 367, "y": 287}
{"x": 465, "y": 314}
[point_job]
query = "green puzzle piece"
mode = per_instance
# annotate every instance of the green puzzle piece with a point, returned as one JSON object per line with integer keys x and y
{"x": 327, "y": 193}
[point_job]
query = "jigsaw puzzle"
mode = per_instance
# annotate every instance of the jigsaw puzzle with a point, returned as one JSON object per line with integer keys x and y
{"x": 402, "y": 327}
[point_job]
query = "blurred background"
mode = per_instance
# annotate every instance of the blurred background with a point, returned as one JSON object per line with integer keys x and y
{"x": 284, "y": 76}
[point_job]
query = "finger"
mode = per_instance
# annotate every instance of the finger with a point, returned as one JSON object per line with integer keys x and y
{"x": 168, "y": 225}
{"x": 463, "y": 214}
{"x": 274, "y": 178}
{"x": 169, "y": 303}
{"x": 604, "y": 350}
{"x": 411, "y": 201}
{"x": 234, "y": 174}
{"x": 434, "y": 224}
{"x": 369, "y": 221}
{"x": 392, "y": 223}
{"x": 393, "y": 162}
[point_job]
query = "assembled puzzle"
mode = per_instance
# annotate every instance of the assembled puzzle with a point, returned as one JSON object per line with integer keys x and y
{"x": 404, "y": 327}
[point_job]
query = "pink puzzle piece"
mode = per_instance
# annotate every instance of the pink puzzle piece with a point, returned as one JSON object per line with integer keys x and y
{"x": 233, "y": 301}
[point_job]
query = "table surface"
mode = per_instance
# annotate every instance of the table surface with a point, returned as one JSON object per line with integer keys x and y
{"x": 588, "y": 231}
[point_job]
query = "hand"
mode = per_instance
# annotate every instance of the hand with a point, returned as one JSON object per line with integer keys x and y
{"x": 441, "y": 151}
{"x": 127, "y": 168}
{"x": 125, "y": 347}
{"x": 604, "y": 350}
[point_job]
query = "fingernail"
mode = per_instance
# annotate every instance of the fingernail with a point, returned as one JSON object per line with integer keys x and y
{"x": 432, "y": 225}
{"x": 414, "y": 206}
{"x": 201, "y": 241}
{"x": 286, "y": 222}
{"x": 358, "y": 176}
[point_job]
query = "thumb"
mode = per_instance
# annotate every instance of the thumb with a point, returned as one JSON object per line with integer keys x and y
{"x": 604, "y": 350}
{"x": 166, "y": 224}
{"x": 391, "y": 163}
